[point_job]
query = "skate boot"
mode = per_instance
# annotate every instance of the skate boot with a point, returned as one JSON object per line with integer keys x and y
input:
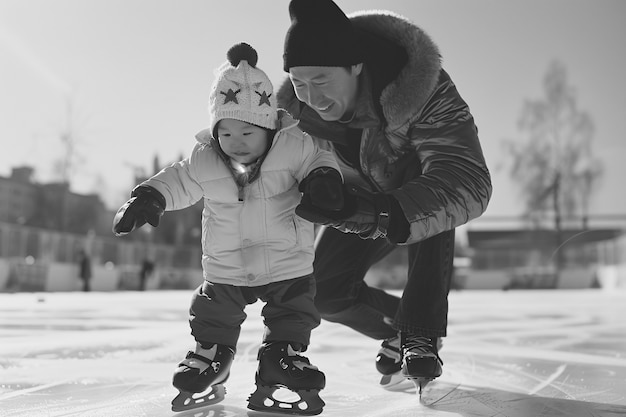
{"x": 389, "y": 362}
{"x": 200, "y": 377}
{"x": 281, "y": 365}
{"x": 420, "y": 359}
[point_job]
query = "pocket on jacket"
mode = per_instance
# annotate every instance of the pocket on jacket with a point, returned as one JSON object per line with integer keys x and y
{"x": 206, "y": 235}
{"x": 296, "y": 233}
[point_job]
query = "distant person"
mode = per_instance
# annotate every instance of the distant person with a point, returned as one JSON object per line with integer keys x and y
{"x": 372, "y": 89}
{"x": 84, "y": 270}
{"x": 147, "y": 268}
{"x": 250, "y": 167}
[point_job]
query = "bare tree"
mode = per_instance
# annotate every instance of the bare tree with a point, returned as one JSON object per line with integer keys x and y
{"x": 553, "y": 163}
{"x": 69, "y": 135}
{"x": 68, "y": 163}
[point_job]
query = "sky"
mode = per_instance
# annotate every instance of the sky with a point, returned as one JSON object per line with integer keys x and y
{"x": 130, "y": 79}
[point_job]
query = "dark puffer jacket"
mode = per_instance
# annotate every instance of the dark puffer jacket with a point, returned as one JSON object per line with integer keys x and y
{"x": 413, "y": 136}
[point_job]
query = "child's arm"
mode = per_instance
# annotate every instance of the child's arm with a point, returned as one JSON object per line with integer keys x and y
{"x": 327, "y": 201}
{"x": 313, "y": 157}
{"x": 178, "y": 184}
{"x": 173, "y": 188}
{"x": 320, "y": 180}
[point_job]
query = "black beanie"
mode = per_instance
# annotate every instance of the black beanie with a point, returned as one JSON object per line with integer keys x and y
{"x": 320, "y": 35}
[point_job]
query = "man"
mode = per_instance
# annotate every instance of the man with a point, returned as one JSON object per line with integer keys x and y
{"x": 371, "y": 88}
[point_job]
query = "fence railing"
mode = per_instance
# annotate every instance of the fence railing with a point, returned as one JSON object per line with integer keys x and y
{"x": 50, "y": 246}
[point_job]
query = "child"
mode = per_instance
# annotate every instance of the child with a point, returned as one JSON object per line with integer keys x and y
{"x": 250, "y": 166}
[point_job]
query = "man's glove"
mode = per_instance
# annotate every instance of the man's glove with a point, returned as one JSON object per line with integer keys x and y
{"x": 370, "y": 215}
{"x": 322, "y": 189}
{"x": 146, "y": 205}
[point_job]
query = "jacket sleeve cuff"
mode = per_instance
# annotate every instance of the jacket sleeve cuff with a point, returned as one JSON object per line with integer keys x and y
{"x": 399, "y": 228}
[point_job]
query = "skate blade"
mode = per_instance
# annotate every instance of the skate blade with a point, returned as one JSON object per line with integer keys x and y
{"x": 395, "y": 382}
{"x": 186, "y": 401}
{"x": 308, "y": 402}
{"x": 420, "y": 384}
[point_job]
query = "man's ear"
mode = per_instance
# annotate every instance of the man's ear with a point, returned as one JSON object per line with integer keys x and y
{"x": 357, "y": 68}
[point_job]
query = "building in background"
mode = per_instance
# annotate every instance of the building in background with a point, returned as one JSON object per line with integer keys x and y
{"x": 44, "y": 229}
{"x": 46, "y": 224}
{"x": 18, "y": 196}
{"x": 49, "y": 206}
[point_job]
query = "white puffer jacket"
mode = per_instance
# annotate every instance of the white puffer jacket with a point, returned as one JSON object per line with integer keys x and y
{"x": 251, "y": 236}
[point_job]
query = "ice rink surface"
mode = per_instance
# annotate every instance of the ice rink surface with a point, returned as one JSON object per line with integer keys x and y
{"x": 514, "y": 354}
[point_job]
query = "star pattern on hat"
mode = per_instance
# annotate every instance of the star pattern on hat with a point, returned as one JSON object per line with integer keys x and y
{"x": 230, "y": 95}
{"x": 264, "y": 98}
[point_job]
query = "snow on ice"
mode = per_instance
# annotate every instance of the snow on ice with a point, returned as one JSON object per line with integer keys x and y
{"x": 516, "y": 354}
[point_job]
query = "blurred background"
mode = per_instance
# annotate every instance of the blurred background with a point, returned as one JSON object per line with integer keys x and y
{"x": 96, "y": 96}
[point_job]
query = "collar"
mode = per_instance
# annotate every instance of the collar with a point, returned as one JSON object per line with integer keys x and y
{"x": 366, "y": 113}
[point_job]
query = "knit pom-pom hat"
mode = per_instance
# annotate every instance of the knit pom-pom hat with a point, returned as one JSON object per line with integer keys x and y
{"x": 242, "y": 91}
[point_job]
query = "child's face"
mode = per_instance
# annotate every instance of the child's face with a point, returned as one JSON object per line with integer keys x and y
{"x": 243, "y": 142}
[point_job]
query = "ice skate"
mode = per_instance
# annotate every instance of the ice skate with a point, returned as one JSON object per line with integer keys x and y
{"x": 420, "y": 359}
{"x": 282, "y": 366}
{"x": 389, "y": 363}
{"x": 200, "y": 377}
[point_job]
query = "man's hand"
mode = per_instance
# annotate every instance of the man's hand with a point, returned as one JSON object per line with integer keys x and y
{"x": 323, "y": 189}
{"x": 364, "y": 213}
{"x": 146, "y": 205}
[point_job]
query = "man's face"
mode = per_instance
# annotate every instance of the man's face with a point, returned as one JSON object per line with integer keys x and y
{"x": 330, "y": 91}
{"x": 242, "y": 142}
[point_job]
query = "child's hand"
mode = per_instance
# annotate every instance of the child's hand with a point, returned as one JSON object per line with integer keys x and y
{"x": 364, "y": 213}
{"x": 323, "y": 189}
{"x": 145, "y": 206}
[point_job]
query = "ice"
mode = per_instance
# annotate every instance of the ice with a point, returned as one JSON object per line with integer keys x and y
{"x": 516, "y": 354}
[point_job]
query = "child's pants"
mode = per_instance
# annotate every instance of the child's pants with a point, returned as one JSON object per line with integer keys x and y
{"x": 217, "y": 311}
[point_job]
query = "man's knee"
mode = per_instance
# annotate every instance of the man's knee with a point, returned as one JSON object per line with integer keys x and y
{"x": 334, "y": 317}
{"x": 331, "y": 303}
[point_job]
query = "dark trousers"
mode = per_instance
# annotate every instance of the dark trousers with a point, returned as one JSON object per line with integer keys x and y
{"x": 289, "y": 314}
{"x": 343, "y": 259}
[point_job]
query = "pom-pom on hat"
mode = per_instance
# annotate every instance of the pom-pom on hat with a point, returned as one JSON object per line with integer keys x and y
{"x": 242, "y": 91}
{"x": 320, "y": 35}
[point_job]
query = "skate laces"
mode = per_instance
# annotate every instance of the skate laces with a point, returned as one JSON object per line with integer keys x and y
{"x": 413, "y": 345}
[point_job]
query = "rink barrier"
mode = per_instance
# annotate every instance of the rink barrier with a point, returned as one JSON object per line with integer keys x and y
{"x": 19, "y": 275}
{"x": 605, "y": 276}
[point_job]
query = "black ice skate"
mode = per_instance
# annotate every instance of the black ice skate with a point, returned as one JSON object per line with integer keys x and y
{"x": 420, "y": 359}
{"x": 200, "y": 377}
{"x": 389, "y": 362}
{"x": 280, "y": 365}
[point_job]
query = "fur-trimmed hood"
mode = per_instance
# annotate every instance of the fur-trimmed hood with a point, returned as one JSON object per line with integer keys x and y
{"x": 410, "y": 90}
